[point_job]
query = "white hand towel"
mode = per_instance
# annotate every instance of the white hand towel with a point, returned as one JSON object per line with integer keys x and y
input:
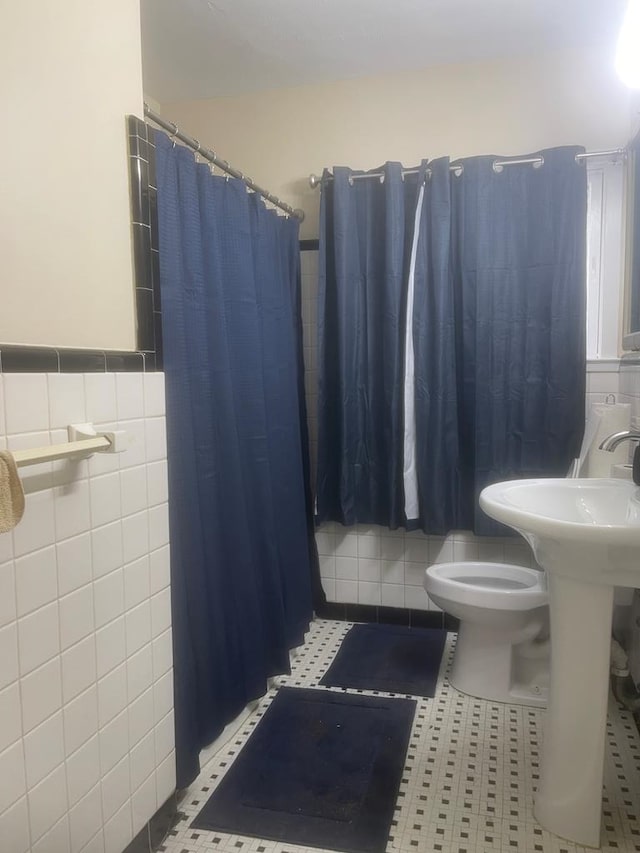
{"x": 11, "y": 493}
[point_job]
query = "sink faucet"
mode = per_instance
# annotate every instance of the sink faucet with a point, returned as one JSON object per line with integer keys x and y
{"x": 612, "y": 441}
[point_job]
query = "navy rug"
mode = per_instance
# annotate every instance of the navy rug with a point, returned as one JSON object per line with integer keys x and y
{"x": 390, "y": 658}
{"x": 321, "y": 769}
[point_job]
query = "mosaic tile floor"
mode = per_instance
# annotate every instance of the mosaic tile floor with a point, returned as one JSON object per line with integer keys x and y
{"x": 469, "y": 778}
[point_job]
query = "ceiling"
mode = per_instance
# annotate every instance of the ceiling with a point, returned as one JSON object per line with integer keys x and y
{"x": 208, "y": 48}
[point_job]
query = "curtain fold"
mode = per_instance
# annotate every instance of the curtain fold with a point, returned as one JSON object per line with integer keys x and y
{"x": 481, "y": 376}
{"x": 409, "y": 461}
{"x": 240, "y": 558}
{"x": 361, "y": 349}
{"x": 436, "y": 360}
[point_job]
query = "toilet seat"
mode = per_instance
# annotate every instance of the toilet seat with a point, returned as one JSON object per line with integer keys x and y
{"x": 502, "y": 649}
{"x": 499, "y": 586}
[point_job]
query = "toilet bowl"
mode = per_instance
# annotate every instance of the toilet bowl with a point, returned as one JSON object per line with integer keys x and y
{"x": 502, "y": 650}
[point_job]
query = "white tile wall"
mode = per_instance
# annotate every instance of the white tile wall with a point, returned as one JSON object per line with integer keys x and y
{"x": 374, "y": 565}
{"x": 86, "y": 684}
{"x": 394, "y": 577}
{"x": 603, "y": 381}
{"x": 630, "y": 387}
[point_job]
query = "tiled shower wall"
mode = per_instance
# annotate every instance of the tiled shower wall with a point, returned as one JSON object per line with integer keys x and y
{"x": 86, "y": 687}
{"x": 374, "y": 565}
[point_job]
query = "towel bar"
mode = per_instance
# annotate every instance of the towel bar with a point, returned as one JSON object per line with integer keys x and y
{"x": 61, "y": 451}
{"x": 83, "y": 441}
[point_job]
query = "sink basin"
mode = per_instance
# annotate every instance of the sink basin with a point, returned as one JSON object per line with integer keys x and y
{"x": 605, "y": 510}
{"x": 597, "y": 520}
{"x": 586, "y": 535}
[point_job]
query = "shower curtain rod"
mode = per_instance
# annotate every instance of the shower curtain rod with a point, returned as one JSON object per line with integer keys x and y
{"x": 174, "y": 131}
{"x": 498, "y": 165}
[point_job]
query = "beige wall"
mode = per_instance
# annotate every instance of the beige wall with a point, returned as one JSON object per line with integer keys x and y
{"x": 506, "y": 108}
{"x": 70, "y": 70}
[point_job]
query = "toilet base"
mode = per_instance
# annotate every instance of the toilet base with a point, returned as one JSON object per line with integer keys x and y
{"x": 486, "y": 665}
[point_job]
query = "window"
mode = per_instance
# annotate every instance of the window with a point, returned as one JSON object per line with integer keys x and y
{"x": 605, "y": 275}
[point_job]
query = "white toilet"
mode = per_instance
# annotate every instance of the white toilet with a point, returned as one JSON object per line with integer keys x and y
{"x": 502, "y": 651}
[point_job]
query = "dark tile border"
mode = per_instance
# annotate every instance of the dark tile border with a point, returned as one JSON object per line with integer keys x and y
{"x": 309, "y": 245}
{"x": 387, "y": 616}
{"x": 129, "y": 362}
{"x": 83, "y": 361}
{"x": 17, "y": 359}
{"x": 144, "y": 231}
{"x": 451, "y": 623}
{"x": 24, "y": 359}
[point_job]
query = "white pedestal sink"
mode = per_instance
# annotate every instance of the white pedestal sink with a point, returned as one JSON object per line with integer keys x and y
{"x": 586, "y": 535}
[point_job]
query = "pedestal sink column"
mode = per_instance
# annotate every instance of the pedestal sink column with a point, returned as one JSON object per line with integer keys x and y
{"x": 569, "y": 798}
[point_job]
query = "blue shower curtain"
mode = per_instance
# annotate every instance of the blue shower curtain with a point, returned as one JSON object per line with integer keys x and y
{"x": 519, "y": 263}
{"x": 375, "y": 235}
{"x": 362, "y": 237}
{"x": 454, "y": 314}
{"x": 240, "y": 541}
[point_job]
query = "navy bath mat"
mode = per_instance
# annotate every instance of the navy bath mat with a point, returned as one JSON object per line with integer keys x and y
{"x": 390, "y": 658}
{"x": 322, "y": 769}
